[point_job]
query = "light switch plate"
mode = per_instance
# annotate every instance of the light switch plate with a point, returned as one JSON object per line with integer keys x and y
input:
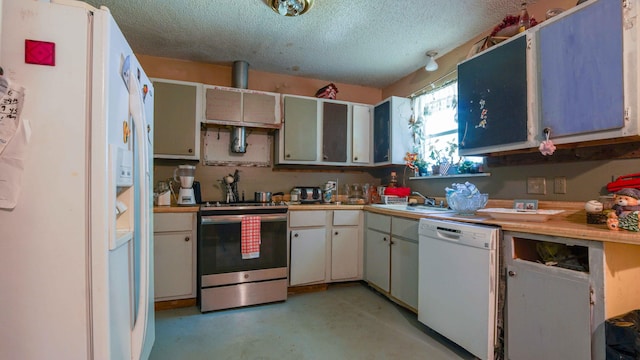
{"x": 536, "y": 185}
{"x": 560, "y": 185}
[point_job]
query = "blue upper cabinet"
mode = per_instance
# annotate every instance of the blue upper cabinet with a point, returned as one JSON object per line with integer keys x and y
{"x": 382, "y": 132}
{"x": 492, "y": 98}
{"x": 580, "y": 66}
{"x": 391, "y": 134}
{"x": 576, "y": 74}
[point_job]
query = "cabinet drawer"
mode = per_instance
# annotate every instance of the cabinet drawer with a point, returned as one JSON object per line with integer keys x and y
{"x": 379, "y": 222}
{"x": 405, "y": 228}
{"x": 172, "y": 222}
{"x": 346, "y": 217}
{"x": 307, "y": 218}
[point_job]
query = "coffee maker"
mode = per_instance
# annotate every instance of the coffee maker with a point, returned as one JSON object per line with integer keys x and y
{"x": 184, "y": 174}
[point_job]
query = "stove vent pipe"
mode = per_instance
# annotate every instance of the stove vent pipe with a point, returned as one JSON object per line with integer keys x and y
{"x": 240, "y": 80}
{"x": 240, "y": 75}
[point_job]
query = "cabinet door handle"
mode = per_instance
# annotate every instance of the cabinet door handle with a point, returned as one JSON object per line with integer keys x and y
{"x": 295, "y": 235}
{"x": 288, "y": 155}
{"x": 187, "y": 238}
{"x": 511, "y": 273}
{"x": 391, "y": 242}
{"x": 355, "y": 158}
{"x": 384, "y": 238}
{"x": 190, "y": 151}
{"x": 325, "y": 157}
{"x": 335, "y": 233}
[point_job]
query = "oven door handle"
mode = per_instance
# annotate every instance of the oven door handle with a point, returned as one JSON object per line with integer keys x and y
{"x": 232, "y": 219}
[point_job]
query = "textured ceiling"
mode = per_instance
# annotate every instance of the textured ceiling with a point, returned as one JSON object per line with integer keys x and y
{"x": 362, "y": 42}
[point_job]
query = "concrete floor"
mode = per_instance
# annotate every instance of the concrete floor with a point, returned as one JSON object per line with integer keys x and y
{"x": 344, "y": 322}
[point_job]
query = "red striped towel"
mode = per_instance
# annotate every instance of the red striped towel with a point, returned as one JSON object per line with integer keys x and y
{"x": 250, "y": 237}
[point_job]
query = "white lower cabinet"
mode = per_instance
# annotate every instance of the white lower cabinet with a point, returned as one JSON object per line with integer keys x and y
{"x": 345, "y": 253}
{"x": 308, "y": 244}
{"x": 543, "y": 326}
{"x": 307, "y": 256}
{"x": 552, "y": 311}
{"x": 325, "y": 246}
{"x": 391, "y": 261}
{"x": 174, "y": 256}
{"x": 346, "y": 245}
{"x": 404, "y": 265}
{"x": 377, "y": 259}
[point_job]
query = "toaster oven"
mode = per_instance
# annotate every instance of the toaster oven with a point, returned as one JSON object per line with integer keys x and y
{"x": 310, "y": 194}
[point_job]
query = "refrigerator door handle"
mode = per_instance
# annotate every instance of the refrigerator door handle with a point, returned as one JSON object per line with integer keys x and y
{"x": 136, "y": 108}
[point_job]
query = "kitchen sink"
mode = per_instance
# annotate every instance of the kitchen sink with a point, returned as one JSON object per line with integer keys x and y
{"x": 414, "y": 208}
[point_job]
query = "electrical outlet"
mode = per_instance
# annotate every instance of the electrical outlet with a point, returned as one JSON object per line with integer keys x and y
{"x": 536, "y": 185}
{"x": 560, "y": 185}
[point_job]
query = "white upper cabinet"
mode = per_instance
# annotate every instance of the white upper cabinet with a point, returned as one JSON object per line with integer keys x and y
{"x": 361, "y": 144}
{"x": 335, "y": 132}
{"x": 241, "y": 107}
{"x": 177, "y": 114}
{"x": 324, "y": 132}
{"x": 299, "y": 135}
{"x": 391, "y": 135}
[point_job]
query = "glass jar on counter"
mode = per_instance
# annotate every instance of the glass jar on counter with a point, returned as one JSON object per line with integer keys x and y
{"x": 294, "y": 196}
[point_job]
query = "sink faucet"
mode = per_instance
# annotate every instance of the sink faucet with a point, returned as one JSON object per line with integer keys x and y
{"x": 427, "y": 200}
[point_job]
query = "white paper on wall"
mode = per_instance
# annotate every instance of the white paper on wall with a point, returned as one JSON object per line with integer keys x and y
{"x": 14, "y": 139}
{"x": 11, "y": 100}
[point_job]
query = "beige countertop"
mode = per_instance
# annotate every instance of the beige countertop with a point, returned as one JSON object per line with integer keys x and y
{"x": 331, "y": 206}
{"x": 571, "y": 223}
{"x": 182, "y": 209}
{"x": 175, "y": 209}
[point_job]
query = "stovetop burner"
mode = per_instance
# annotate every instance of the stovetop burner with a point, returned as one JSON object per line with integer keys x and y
{"x": 217, "y": 206}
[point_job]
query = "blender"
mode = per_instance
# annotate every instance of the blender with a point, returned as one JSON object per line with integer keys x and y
{"x": 186, "y": 174}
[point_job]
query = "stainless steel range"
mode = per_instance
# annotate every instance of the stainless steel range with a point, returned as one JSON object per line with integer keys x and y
{"x": 225, "y": 279}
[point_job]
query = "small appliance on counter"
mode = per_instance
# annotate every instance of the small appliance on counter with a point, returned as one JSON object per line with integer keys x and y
{"x": 625, "y": 181}
{"x": 162, "y": 194}
{"x": 310, "y": 194}
{"x": 329, "y": 188}
{"x": 185, "y": 174}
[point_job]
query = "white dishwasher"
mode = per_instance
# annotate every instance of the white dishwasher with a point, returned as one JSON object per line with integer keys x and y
{"x": 458, "y": 283}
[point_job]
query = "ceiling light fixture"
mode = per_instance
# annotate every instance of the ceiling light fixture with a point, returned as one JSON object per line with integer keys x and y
{"x": 432, "y": 65}
{"x": 290, "y": 7}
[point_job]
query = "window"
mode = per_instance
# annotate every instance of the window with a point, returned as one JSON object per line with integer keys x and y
{"x": 435, "y": 125}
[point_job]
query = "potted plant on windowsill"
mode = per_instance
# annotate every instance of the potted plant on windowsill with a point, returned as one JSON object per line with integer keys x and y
{"x": 436, "y": 156}
{"x": 443, "y": 157}
{"x": 423, "y": 167}
{"x": 469, "y": 167}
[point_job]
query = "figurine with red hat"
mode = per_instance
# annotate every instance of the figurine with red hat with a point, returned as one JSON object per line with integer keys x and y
{"x": 627, "y": 207}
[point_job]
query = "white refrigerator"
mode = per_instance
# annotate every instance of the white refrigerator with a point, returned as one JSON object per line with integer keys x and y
{"x": 76, "y": 265}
